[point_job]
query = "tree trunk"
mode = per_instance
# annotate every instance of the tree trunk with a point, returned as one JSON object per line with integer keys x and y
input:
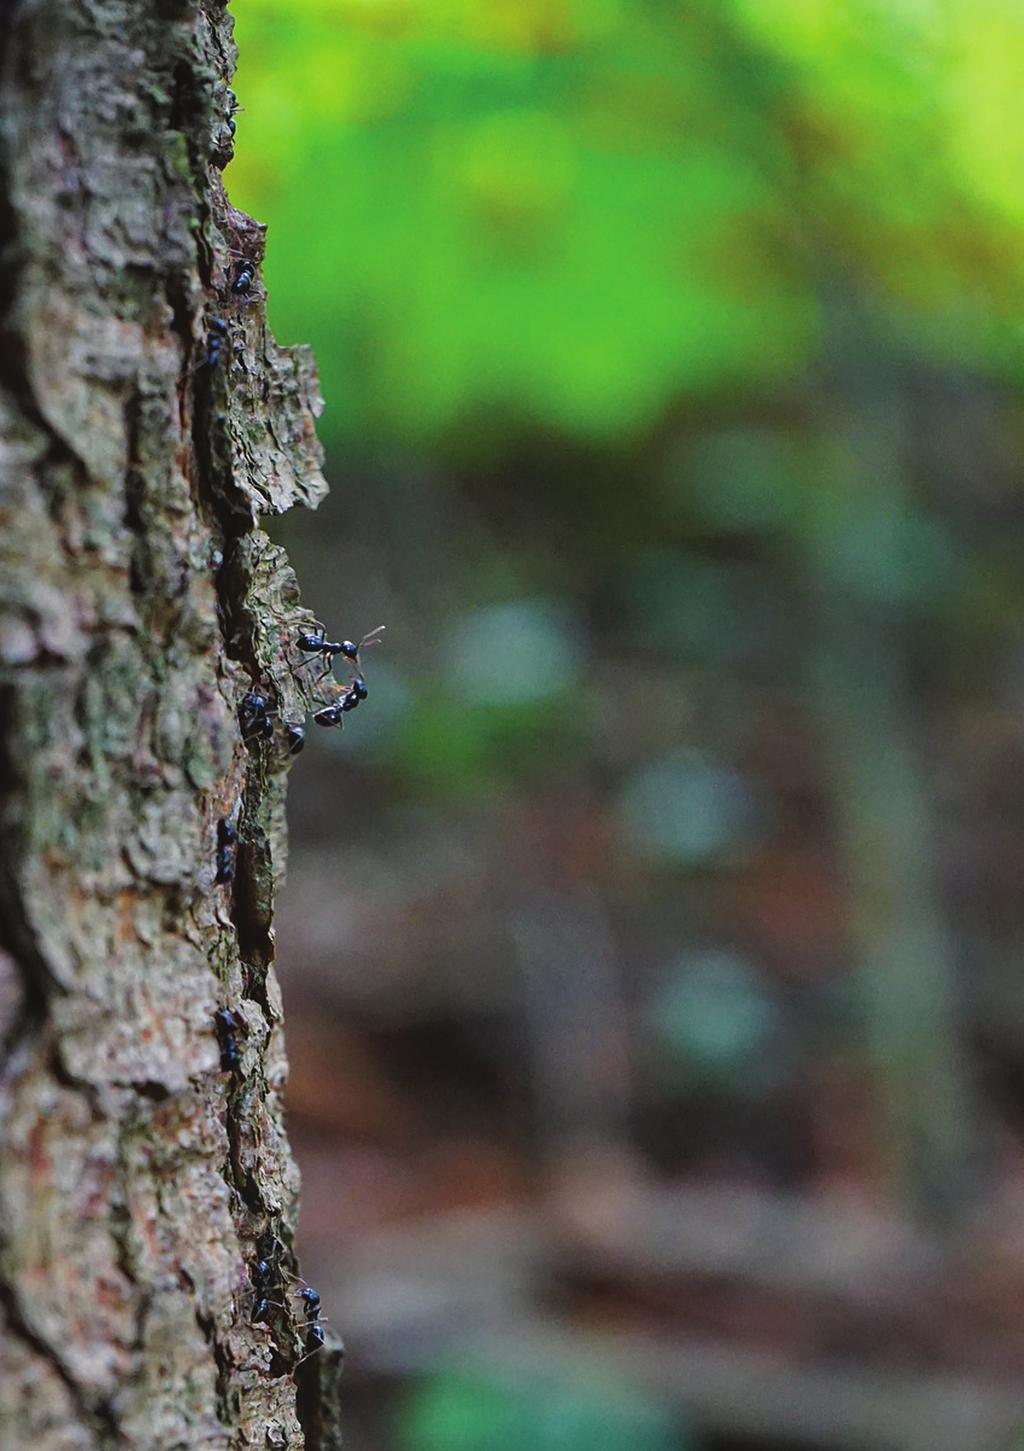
{"x": 147, "y": 418}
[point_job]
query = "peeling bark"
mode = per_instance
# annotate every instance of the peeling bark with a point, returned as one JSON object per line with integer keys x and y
{"x": 144, "y": 1168}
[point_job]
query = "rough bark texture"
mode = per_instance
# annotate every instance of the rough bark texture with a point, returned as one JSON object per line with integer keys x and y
{"x": 142, "y": 1180}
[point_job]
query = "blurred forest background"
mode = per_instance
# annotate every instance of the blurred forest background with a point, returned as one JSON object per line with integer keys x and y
{"x": 652, "y": 939}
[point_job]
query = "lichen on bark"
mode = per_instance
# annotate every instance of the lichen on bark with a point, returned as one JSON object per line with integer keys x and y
{"x": 141, "y": 1181}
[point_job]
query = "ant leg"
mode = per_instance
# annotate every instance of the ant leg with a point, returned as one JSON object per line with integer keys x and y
{"x": 309, "y": 687}
{"x": 314, "y": 639}
{"x": 327, "y": 664}
{"x": 295, "y": 1279}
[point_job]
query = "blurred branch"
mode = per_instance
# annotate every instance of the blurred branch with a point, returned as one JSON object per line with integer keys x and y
{"x": 575, "y": 1016}
{"x": 468, "y": 1286}
{"x": 900, "y": 942}
{"x": 743, "y": 1392}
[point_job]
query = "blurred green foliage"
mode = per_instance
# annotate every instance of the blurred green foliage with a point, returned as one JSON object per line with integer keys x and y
{"x": 672, "y": 355}
{"x": 576, "y": 212}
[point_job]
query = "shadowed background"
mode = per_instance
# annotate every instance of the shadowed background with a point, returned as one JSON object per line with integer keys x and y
{"x": 652, "y": 939}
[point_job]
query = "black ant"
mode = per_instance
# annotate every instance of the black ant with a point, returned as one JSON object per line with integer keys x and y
{"x": 331, "y": 715}
{"x": 262, "y": 1272}
{"x": 311, "y": 1300}
{"x": 233, "y": 110}
{"x": 315, "y": 1340}
{"x": 227, "y": 836}
{"x": 228, "y": 1025}
{"x": 245, "y": 273}
{"x": 317, "y": 643}
{"x": 269, "y": 1249}
{"x": 256, "y": 716}
{"x": 215, "y": 340}
{"x": 315, "y": 1337}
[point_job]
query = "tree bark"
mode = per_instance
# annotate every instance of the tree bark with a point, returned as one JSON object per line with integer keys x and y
{"x": 147, "y": 420}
